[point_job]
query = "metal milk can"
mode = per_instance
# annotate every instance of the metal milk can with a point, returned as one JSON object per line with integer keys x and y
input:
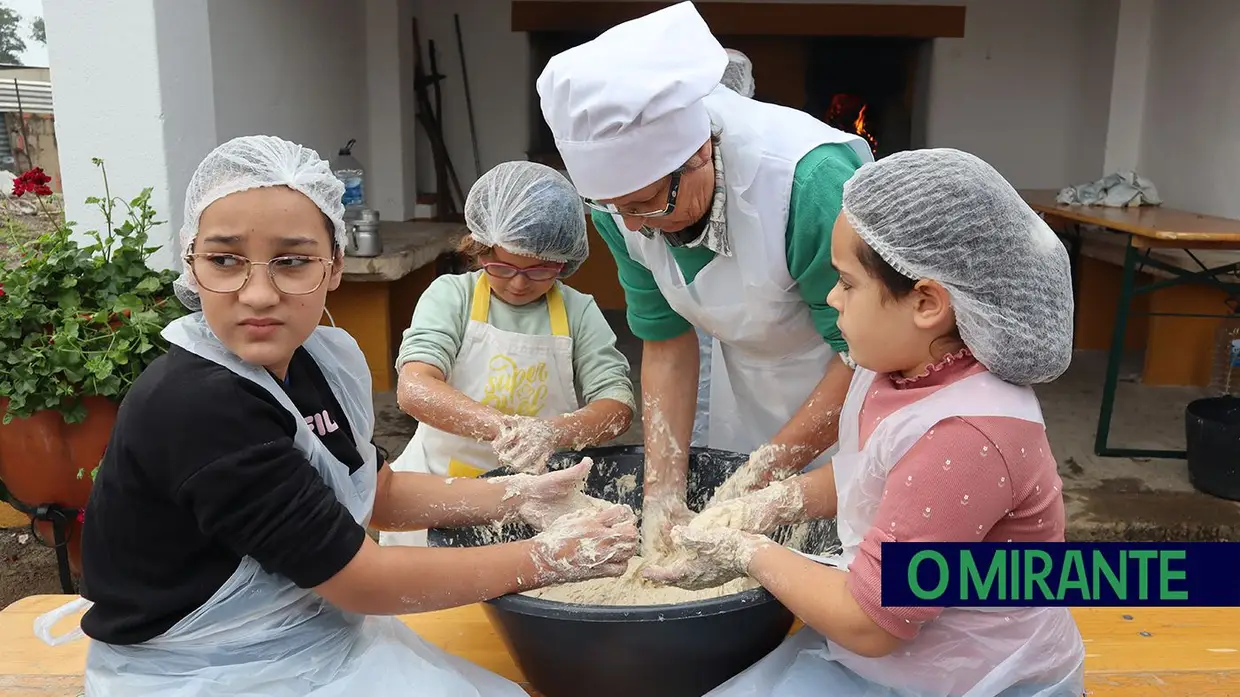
{"x": 362, "y": 235}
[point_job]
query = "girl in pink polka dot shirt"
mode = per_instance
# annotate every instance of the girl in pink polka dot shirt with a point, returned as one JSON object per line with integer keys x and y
{"x": 954, "y": 297}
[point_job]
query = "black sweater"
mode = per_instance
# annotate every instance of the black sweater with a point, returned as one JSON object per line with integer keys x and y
{"x": 200, "y": 472}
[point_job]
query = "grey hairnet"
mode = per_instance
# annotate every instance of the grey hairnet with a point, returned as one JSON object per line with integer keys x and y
{"x": 738, "y": 76}
{"x": 252, "y": 162}
{"x": 945, "y": 215}
{"x": 529, "y": 209}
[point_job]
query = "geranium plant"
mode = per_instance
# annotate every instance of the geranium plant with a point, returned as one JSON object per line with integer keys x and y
{"x": 81, "y": 319}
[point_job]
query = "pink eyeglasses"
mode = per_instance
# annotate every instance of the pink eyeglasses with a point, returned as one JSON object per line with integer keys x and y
{"x": 499, "y": 269}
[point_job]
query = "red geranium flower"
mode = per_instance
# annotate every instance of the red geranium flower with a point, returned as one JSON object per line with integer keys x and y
{"x": 34, "y": 181}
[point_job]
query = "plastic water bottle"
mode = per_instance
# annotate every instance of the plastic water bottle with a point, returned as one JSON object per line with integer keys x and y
{"x": 1225, "y": 375}
{"x": 349, "y": 171}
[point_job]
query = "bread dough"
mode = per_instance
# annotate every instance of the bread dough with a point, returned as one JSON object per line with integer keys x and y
{"x": 631, "y": 589}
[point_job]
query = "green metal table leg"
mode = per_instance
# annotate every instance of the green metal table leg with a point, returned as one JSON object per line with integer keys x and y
{"x": 1114, "y": 358}
{"x": 1116, "y": 352}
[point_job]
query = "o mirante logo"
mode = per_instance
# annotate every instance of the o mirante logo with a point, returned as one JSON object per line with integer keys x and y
{"x": 1060, "y": 574}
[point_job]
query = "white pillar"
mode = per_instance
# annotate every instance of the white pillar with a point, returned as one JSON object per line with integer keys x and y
{"x": 1128, "y": 85}
{"x": 391, "y": 165}
{"x": 132, "y": 85}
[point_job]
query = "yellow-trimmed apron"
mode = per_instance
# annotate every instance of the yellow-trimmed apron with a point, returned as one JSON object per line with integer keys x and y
{"x": 518, "y": 374}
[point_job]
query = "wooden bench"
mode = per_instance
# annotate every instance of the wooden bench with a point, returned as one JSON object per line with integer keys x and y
{"x": 1163, "y": 652}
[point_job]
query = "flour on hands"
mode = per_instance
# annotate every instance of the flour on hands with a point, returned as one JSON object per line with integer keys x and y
{"x": 760, "y": 469}
{"x": 706, "y": 557}
{"x": 760, "y": 512}
{"x": 525, "y": 443}
{"x": 546, "y": 497}
{"x": 586, "y": 544}
{"x": 659, "y": 516}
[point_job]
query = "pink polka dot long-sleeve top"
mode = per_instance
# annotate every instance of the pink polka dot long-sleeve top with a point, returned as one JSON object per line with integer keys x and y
{"x": 969, "y": 479}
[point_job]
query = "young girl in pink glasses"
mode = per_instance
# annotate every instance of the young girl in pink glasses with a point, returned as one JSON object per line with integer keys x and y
{"x": 506, "y": 364}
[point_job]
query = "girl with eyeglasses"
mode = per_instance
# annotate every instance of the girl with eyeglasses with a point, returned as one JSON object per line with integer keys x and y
{"x": 226, "y": 551}
{"x": 506, "y": 364}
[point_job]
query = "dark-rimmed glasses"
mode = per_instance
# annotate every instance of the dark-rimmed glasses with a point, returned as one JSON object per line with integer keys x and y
{"x": 291, "y": 274}
{"x": 499, "y": 269}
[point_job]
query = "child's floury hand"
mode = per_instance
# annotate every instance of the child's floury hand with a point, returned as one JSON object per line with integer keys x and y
{"x": 659, "y": 516}
{"x": 706, "y": 557}
{"x": 760, "y": 512}
{"x": 586, "y": 544}
{"x": 526, "y": 443}
{"x": 546, "y": 497}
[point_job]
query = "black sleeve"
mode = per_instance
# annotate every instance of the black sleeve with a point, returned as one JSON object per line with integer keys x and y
{"x": 228, "y": 456}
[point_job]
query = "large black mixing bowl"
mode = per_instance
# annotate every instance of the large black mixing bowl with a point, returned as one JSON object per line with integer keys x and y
{"x": 681, "y": 650}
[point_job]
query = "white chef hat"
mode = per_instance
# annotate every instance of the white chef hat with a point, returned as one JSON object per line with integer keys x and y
{"x": 626, "y": 108}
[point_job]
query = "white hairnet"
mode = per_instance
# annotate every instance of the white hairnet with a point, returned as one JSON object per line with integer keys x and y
{"x": 738, "y": 76}
{"x": 251, "y": 162}
{"x": 945, "y": 215}
{"x": 529, "y": 209}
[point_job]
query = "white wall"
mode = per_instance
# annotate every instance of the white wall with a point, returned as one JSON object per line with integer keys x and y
{"x": 291, "y": 68}
{"x": 1190, "y": 146}
{"x": 499, "y": 83}
{"x": 1129, "y": 81}
{"x": 128, "y": 88}
{"x": 1028, "y": 88}
{"x": 391, "y": 187}
{"x": 323, "y": 72}
{"x": 151, "y": 87}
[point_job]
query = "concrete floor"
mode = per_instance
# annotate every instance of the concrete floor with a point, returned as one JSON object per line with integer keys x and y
{"x": 1108, "y": 499}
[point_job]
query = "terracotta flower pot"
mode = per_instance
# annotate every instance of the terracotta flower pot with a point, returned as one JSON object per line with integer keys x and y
{"x": 41, "y": 458}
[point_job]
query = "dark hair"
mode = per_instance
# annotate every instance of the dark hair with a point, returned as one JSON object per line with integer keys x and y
{"x": 331, "y": 231}
{"x": 895, "y": 284}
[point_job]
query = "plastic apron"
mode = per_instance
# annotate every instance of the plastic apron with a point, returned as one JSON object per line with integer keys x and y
{"x": 260, "y": 634}
{"x": 965, "y": 652}
{"x": 767, "y": 356}
{"x": 700, "y": 436}
{"x": 525, "y": 374}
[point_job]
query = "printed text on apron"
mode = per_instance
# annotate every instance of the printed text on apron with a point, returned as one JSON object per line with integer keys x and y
{"x": 518, "y": 374}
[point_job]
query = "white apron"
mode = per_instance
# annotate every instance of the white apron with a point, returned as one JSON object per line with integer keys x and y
{"x": 966, "y": 652}
{"x": 767, "y": 356}
{"x": 518, "y": 374}
{"x": 260, "y": 634}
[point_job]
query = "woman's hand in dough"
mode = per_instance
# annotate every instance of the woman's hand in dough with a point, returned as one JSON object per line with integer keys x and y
{"x": 593, "y": 543}
{"x": 525, "y": 443}
{"x": 544, "y": 498}
{"x": 706, "y": 557}
{"x": 760, "y": 512}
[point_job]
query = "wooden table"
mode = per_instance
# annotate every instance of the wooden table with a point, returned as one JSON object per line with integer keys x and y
{"x": 1145, "y": 229}
{"x": 1163, "y": 652}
